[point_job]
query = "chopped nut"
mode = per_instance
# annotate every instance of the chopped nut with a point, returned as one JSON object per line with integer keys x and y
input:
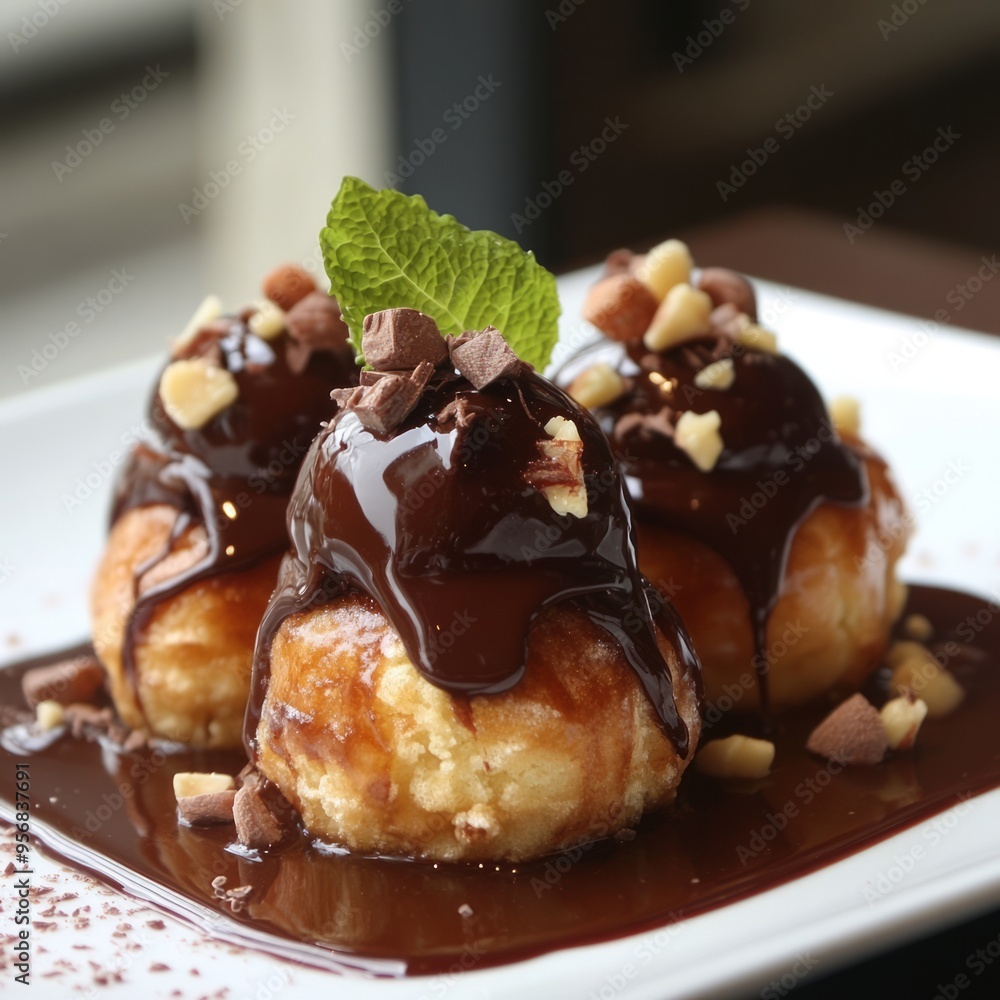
{"x": 845, "y": 412}
{"x": 736, "y": 757}
{"x": 757, "y": 338}
{"x": 727, "y": 321}
{"x": 682, "y": 315}
{"x": 194, "y": 391}
{"x": 853, "y": 733}
{"x": 314, "y": 323}
{"x": 915, "y": 669}
{"x": 902, "y": 718}
{"x": 726, "y": 286}
{"x": 268, "y": 321}
{"x": 286, "y": 285}
{"x": 559, "y": 474}
{"x": 72, "y": 681}
{"x": 668, "y": 264}
{"x": 718, "y": 375}
{"x": 620, "y": 306}
{"x": 207, "y": 809}
{"x": 697, "y": 434}
{"x": 597, "y": 386}
{"x": 209, "y": 311}
{"x": 189, "y": 783}
{"x": 918, "y": 627}
{"x": 49, "y": 715}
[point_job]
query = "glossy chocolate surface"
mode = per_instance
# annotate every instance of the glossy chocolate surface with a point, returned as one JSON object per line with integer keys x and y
{"x": 438, "y": 518}
{"x": 233, "y": 476}
{"x": 779, "y": 444}
{"x": 390, "y": 917}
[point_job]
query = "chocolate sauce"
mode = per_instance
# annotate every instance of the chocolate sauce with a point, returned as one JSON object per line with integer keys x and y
{"x": 113, "y": 814}
{"x": 779, "y": 442}
{"x": 234, "y": 475}
{"x": 438, "y": 519}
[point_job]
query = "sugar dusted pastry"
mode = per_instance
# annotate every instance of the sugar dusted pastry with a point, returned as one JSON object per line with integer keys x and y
{"x": 198, "y": 526}
{"x": 461, "y": 660}
{"x": 773, "y": 527}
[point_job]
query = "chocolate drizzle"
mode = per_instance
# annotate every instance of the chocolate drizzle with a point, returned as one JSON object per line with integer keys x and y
{"x": 437, "y": 519}
{"x": 782, "y": 458}
{"x": 233, "y": 476}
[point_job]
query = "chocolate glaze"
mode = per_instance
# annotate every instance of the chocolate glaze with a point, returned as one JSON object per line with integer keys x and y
{"x": 245, "y": 459}
{"x": 390, "y": 917}
{"x": 438, "y": 518}
{"x": 776, "y": 430}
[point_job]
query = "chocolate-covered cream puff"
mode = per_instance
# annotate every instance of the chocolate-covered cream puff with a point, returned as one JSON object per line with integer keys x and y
{"x": 773, "y": 529}
{"x": 198, "y": 525}
{"x": 462, "y": 660}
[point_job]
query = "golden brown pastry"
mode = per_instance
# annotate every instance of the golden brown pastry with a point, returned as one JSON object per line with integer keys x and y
{"x": 775, "y": 531}
{"x": 461, "y": 660}
{"x": 199, "y": 518}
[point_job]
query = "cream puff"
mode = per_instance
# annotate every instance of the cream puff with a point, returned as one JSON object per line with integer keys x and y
{"x": 773, "y": 527}
{"x": 198, "y": 526}
{"x": 461, "y": 660}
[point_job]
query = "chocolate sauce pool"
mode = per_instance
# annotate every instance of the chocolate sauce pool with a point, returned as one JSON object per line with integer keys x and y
{"x": 395, "y": 917}
{"x": 440, "y": 517}
{"x": 233, "y": 476}
{"x": 778, "y": 439}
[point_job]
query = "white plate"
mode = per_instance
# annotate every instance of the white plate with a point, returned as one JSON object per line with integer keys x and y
{"x": 930, "y": 402}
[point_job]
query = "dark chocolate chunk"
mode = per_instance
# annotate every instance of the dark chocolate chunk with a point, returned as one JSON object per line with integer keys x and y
{"x": 210, "y": 809}
{"x": 484, "y": 358}
{"x": 399, "y": 339}
{"x": 256, "y": 825}
{"x": 76, "y": 680}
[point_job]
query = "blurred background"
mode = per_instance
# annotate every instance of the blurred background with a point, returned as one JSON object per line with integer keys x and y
{"x": 155, "y": 152}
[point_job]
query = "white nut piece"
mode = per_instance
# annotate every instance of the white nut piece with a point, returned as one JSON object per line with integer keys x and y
{"x": 565, "y": 448}
{"x": 719, "y": 375}
{"x": 736, "y": 757}
{"x": 193, "y": 391}
{"x": 209, "y": 310}
{"x": 697, "y": 434}
{"x": 668, "y": 264}
{"x": 758, "y": 339}
{"x": 845, "y": 412}
{"x": 902, "y": 718}
{"x": 188, "y": 783}
{"x": 915, "y": 670}
{"x": 268, "y": 321}
{"x": 682, "y": 315}
{"x": 49, "y": 715}
{"x": 596, "y": 386}
{"x": 918, "y": 627}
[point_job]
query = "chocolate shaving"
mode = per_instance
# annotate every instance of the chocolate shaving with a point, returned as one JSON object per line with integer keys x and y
{"x": 853, "y": 733}
{"x": 400, "y": 339}
{"x": 72, "y": 681}
{"x": 383, "y": 405}
{"x": 646, "y": 424}
{"x": 314, "y": 323}
{"x": 727, "y": 320}
{"x": 483, "y": 358}
{"x": 346, "y": 398}
{"x": 456, "y": 413}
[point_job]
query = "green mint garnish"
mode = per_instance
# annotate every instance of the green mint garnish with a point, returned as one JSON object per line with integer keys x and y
{"x": 386, "y": 250}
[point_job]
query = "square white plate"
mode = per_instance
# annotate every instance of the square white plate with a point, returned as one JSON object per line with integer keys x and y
{"x": 930, "y": 403}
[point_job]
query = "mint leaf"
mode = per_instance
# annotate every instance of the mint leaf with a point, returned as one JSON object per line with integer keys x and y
{"x": 386, "y": 250}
